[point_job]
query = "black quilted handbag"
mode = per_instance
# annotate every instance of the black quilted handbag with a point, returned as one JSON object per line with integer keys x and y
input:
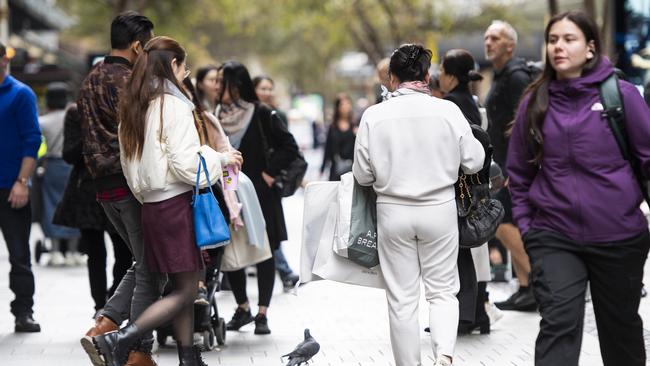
{"x": 478, "y": 214}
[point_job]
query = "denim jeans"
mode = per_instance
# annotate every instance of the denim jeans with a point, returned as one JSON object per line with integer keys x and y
{"x": 139, "y": 288}
{"x": 15, "y": 226}
{"x": 281, "y": 264}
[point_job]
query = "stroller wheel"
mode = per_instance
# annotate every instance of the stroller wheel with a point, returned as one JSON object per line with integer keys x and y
{"x": 220, "y": 331}
{"x": 208, "y": 340}
{"x": 161, "y": 338}
{"x": 39, "y": 249}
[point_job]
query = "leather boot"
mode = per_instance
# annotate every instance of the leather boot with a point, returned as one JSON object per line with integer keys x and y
{"x": 102, "y": 325}
{"x": 114, "y": 346}
{"x": 139, "y": 358}
{"x": 190, "y": 356}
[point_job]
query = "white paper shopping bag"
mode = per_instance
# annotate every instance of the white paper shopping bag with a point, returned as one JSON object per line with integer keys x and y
{"x": 330, "y": 266}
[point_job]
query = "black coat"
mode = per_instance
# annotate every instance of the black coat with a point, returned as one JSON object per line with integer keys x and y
{"x": 78, "y": 207}
{"x": 501, "y": 104}
{"x": 462, "y": 97}
{"x": 339, "y": 144}
{"x": 285, "y": 151}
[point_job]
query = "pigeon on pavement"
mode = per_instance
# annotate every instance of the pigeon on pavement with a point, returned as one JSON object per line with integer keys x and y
{"x": 304, "y": 351}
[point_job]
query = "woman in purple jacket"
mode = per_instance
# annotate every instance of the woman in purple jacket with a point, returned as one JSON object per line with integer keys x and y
{"x": 576, "y": 200}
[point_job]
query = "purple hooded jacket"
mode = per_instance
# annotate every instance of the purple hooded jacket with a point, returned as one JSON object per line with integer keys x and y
{"x": 584, "y": 189}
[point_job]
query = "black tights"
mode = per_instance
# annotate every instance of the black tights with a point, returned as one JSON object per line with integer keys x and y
{"x": 178, "y": 307}
{"x": 265, "y": 282}
{"x": 94, "y": 246}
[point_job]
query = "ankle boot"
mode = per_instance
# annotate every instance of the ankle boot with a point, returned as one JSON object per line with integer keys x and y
{"x": 114, "y": 346}
{"x": 103, "y": 325}
{"x": 190, "y": 356}
{"x": 140, "y": 358}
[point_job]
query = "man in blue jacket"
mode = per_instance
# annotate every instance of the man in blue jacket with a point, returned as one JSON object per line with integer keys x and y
{"x": 19, "y": 143}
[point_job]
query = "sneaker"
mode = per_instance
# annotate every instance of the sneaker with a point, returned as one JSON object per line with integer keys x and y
{"x": 202, "y": 297}
{"x": 289, "y": 282}
{"x": 262, "y": 324}
{"x": 56, "y": 259}
{"x": 26, "y": 324}
{"x": 239, "y": 319}
{"x": 522, "y": 300}
{"x": 493, "y": 312}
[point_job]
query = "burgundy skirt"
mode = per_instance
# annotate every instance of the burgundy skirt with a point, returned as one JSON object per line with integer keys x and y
{"x": 168, "y": 233}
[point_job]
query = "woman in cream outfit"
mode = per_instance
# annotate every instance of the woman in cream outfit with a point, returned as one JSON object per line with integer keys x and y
{"x": 410, "y": 148}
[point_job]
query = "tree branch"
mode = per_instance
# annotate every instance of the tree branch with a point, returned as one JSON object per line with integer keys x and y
{"x": 368, "y": 29}
{"x": 394, "y": 27}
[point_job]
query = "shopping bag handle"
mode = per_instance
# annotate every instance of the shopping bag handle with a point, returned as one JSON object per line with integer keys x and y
{"x": 198, "y": 175}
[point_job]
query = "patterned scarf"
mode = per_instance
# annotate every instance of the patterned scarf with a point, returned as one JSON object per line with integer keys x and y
{"x": 234, "y": 117}
{"x": 417, "y": 86}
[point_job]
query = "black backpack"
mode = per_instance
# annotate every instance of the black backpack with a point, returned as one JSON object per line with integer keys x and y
{"x": 533, "y": 69}
{"x": 613, "y": 111}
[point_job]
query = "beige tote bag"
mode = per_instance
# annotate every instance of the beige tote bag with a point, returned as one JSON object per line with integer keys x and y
{"x": 240, "y": 253}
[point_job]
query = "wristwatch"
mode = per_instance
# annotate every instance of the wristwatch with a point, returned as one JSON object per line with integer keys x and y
{"x": 23, "y": 181}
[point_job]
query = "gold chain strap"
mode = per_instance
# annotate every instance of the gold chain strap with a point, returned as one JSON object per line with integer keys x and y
{"x": 464, "y": 187}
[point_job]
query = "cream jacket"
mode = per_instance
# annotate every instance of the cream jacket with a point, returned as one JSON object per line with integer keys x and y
{"x": 410, "y": 147}
{"x": 169, "y": 161}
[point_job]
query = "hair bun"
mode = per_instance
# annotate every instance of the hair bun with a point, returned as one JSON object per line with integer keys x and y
{"x": 474, "y": 76}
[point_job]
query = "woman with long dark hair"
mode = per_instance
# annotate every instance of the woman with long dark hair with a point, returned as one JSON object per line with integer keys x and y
{"x": 159, "y": 144}
{"x": 456, "y": 72}
{"x": 576, "y": 201}
{"x": 339, "y": 146}
{"x": 256, "y": 130}
{"x": 409, "y": 149}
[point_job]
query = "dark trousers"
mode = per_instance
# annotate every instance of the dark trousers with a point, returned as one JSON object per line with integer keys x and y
{"x": 93, "y": 241}
{"x": 265, "y": 282}
{"x": 561, "y": 268}
{"x": 467, "y": 293}
{"x": 15, "y": 226}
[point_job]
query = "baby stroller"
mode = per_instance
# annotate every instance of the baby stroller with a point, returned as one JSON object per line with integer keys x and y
{"x": 207, "y": 322}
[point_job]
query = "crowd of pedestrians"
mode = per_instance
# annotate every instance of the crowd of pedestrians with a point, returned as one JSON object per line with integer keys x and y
{"x": 124, "y": 158}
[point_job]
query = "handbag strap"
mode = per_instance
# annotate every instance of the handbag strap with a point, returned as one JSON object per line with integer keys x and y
{"x": 198, "y": 175}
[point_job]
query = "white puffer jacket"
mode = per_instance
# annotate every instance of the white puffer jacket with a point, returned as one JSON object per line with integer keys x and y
{"x": 169, "y": 162}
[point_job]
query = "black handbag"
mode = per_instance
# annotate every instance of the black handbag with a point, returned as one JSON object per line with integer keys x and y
{"x": 478, "y": 214}
{"x": 289, "y": 179}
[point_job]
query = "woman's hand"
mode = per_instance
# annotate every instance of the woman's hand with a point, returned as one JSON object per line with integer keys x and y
{"x": 234, "y": 158}
{"x": 268, "y": 179}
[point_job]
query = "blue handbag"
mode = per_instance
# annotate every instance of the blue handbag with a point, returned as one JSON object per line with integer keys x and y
{"x": 210, "y": 228}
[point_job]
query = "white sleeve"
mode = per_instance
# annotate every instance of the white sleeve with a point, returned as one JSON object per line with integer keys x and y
{"x": 472, "y": 154}
{"x": 182, "y": 145}
{"x": 362, "y": 166}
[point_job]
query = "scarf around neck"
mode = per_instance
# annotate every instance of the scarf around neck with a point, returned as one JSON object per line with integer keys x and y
{"x": 406, "y": 88}
{"x": 236, "y": 116}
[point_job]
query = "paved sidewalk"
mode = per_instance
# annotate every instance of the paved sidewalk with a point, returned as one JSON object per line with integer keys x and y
{"x": 350, "y": 322}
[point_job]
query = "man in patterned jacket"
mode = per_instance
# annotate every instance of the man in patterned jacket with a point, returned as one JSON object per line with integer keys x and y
{"x": 98, "y": 105}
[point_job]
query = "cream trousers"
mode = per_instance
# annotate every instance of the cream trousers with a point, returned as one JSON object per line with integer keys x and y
{"x": 419, "y": 242}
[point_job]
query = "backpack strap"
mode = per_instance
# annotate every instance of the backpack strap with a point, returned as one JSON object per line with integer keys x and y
{"x": 613, "y": 111}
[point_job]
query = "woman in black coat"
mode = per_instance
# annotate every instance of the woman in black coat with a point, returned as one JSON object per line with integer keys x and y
{"x": 339, "y": 146}
{"x": 79, "y": 209}
{"x": 456, "y": 72}
{"x": 267, "y": 147}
